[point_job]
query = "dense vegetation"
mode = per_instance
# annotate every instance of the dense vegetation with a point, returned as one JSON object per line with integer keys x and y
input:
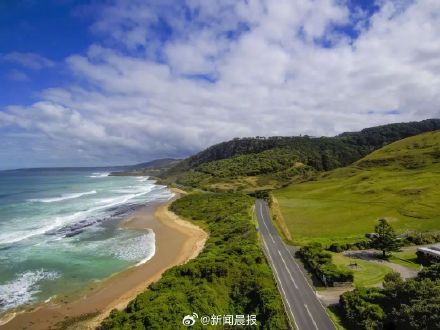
{"x": 413, "y": 304}
{"x": 252, "y": 172}
{"x": 320, "y": 262}
{"x": 269, "y": 161}
{"x": 322, "y": 153}
{"x": 340, "y": 247}
{"x": 399, "y": 182}
{"x": 406, "y": 239}
{"x": 230, "y": 276}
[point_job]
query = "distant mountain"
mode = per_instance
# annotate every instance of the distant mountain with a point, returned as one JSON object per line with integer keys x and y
{"x": 152, "y": 168}
{"x": 155, "y": 164}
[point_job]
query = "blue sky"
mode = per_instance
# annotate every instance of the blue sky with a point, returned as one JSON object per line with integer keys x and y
{"x": 52, "y": 29}
{"x": 124, "y": 81}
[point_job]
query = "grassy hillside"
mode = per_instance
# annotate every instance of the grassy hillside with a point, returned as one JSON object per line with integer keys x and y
{"x": 400, "y": 182}
{"x": 230, "y": 276}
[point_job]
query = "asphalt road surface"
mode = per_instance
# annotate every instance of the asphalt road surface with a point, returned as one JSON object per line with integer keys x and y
{"x": 303, "y": 307}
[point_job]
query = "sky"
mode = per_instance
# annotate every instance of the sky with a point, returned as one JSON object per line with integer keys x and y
{"x": 108, "y": 82}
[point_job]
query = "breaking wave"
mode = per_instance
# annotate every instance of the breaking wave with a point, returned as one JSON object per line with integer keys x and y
{"x": 63, "y": 197}
{"x": 23, "y": 288}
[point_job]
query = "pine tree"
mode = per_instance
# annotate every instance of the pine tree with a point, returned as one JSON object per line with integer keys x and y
{"x": 385, "y": 238}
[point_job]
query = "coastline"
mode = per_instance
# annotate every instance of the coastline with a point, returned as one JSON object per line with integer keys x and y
{"x": 177, "y": 241}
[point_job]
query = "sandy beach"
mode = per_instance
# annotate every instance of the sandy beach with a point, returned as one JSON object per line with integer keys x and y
{"x": 177, "y": 241}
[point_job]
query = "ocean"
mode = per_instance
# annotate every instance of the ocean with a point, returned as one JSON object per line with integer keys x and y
{"x": 59, "y": 231}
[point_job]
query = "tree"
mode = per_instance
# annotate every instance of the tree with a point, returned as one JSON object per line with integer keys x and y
{"x": 385, "y": 238}
{"x": 432, "y": 272}
{"x": 392, "y": 280}
{"x": 361, "y": 310}
{"x": 393, "y": 277}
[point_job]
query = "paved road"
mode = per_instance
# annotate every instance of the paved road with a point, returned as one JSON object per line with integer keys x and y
{"x": 303, "y": 307}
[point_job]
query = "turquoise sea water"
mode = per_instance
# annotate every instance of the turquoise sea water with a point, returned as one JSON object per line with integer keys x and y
{"x": 59, "y": 230}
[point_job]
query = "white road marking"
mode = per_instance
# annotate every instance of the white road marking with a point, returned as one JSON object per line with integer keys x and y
{"x": 281, "y": 286}
{"x": 310, "y": 314}
{"x": 287, "y": 268}
{"x": 299, "y": 269}
{"x": 305, "y": 279}
{"x": 264, "y": 222}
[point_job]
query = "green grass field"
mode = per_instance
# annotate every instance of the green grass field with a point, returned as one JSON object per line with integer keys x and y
{"x": 400, "y": 182}
{"x": 366, "y": 273}
{"x": 407, "y": 258}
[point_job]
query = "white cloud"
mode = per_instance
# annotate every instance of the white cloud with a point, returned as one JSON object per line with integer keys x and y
{"x": 273, "y": 75}
{"x": 28, "y": 60}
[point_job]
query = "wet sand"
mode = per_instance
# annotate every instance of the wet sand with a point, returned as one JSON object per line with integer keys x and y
{"x": 177, "y": 241}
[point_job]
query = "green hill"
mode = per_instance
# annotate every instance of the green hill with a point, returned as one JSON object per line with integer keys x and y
{"x": 401, "y": 182}
{"x": 249, "y": 164}
{"x": 323, "y": 153}
{"x": 266, "y": 170}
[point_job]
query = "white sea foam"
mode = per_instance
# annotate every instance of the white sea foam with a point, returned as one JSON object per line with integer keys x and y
{"x": 20, "y": 235}
{"x": 99, "y": 175}
{"x": 60, "y": 221}
{"x": 63, "y": 197}
{"x": 140, "y": 249}
{"x": 135, "y": 189}
{"x": 51, "y": 224}
{"x": 115, "y": 201}
{"x": 127, "y": 190}
{"x": 23, "y": 288}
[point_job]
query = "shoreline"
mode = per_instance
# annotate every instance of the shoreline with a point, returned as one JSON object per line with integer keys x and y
{"x": 177, "y": 241}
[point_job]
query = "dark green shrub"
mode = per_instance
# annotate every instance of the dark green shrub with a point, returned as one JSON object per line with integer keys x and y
{"x": 320, "y": 262}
